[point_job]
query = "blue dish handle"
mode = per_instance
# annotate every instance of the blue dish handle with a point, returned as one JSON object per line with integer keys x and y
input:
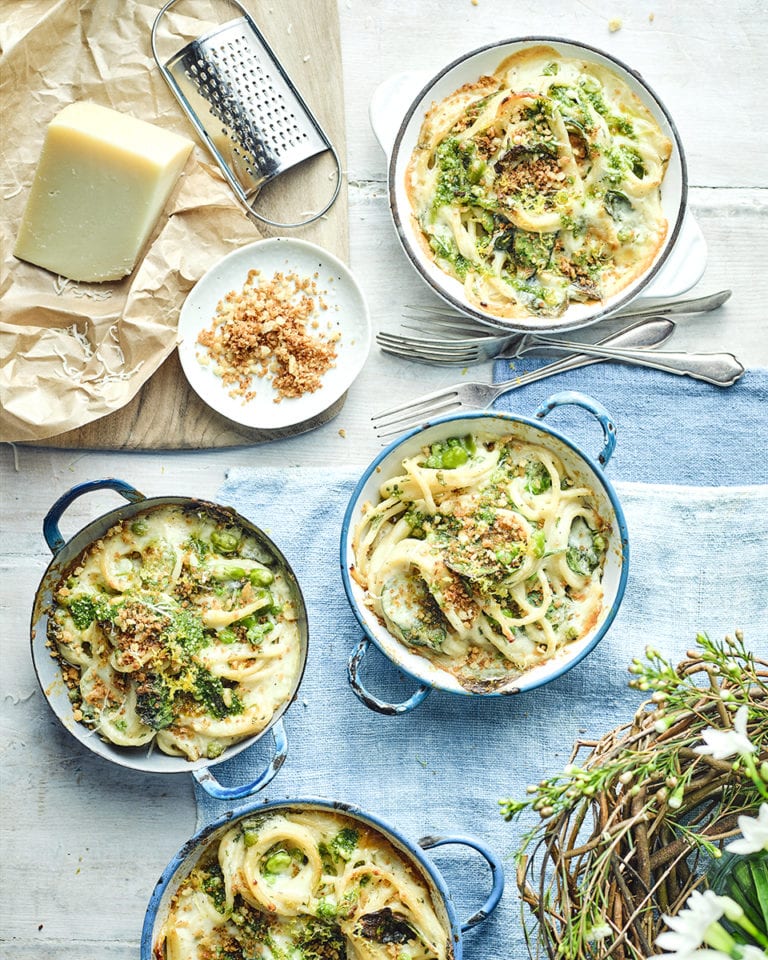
{"x": 497, "y": 874}
{"x": 572, "y": 398}
{"x": 51, "y": 531}
{"x": 211, "y": 785}
{"x": 373, "y": 703}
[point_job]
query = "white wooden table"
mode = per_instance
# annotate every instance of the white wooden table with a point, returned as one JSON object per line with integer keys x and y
{"x": 82, "y": 841}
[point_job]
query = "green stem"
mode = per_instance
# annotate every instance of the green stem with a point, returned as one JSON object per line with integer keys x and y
{"x": 752, "y": 930}
{"x": 751, "y": 768}
{"x": 718, "y": 937}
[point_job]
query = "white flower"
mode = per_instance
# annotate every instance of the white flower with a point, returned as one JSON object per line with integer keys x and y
{"x": 706, "y": 953}
{"x": 689, "y": 928}
{"x": 722, "y": 744}
{"x": 599, "y": 932}
{"x": 754, "y": 833}
{"x": 748, "y": 952}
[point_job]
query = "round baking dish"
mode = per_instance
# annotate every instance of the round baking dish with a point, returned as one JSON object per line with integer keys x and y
{"x": 413, "y": 853}
{"x": 48, "y": 669}
{"x": 467, "y": 69}
{"x": 430, "y": 675}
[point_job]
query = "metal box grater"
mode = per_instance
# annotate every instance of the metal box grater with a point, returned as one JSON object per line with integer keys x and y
{"x": 244, "y": 106}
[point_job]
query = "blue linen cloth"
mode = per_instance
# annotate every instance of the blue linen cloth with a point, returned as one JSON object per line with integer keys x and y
{"x": 699, "y": 563}
{"x": 671, "y": 429}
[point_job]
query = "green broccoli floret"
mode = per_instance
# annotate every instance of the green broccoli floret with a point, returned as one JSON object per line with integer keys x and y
{"x": 345, "y": 842}
{"x": 321, "y": 941}
{"x": 209, "y": 690}
{"x": 84, "y": 609}
{"x": 154, "y": 703}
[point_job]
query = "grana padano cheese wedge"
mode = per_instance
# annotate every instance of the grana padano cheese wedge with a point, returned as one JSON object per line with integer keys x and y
{"x": 101, "y": 183}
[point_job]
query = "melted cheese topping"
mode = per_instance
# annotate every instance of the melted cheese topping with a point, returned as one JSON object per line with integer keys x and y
{"x": 485, "y": 556}
{"x": 540, "y": 185}
{"x": 176, "y": 629}
{"x": 304, "y": 883}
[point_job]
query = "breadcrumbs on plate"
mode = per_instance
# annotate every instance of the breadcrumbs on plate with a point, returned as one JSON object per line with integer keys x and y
{"x": 262, "y": 331}
{"x": 615, "y": 24}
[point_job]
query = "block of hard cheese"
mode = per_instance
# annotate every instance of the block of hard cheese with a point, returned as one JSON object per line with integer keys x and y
{"x": 101, "y": 183}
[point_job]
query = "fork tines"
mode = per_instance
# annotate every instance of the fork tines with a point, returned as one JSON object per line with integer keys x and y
{"x": 393, "y": 421}
{"x": 446, "y": 328}
{"x": 427, "y": 350}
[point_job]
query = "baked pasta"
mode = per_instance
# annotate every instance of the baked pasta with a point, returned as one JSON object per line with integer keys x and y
{"x": 303, "y": 884}
{"x": 539, "y": 185}
{"x": 485, "y": 556}
{"x": 176, "y": 629}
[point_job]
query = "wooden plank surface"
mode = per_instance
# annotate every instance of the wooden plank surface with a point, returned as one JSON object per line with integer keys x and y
{"x": 166, "y": 413}
{"x": 82, "y": 844}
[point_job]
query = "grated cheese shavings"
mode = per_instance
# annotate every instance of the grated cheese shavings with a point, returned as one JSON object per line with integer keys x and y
{"x": 62, "y": 285}
{"x": 103, "y": 373}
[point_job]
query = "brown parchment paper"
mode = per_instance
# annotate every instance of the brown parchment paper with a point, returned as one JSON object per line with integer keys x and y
{"x": 73, "y": 352}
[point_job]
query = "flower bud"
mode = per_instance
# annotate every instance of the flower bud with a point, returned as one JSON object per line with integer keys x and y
{"x": 676, "y": 800}
{"x": 733, "y": 911}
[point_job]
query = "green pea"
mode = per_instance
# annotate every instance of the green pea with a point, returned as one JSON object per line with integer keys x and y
{"x": 139, "y": 527}
{"x": 261, "y": 577}
{"x": 278, "y": 862}
{"x": 598, "y": 542}
{"x": 454, "y": 457}
{"x": 225, "y": 541}
{"x": 227, "y": 636}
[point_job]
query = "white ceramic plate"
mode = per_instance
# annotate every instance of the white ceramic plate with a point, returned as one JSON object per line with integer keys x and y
{"x": 347, "y": 312}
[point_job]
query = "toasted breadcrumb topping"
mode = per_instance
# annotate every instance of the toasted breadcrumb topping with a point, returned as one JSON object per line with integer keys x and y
{"x": 263, "y": 331}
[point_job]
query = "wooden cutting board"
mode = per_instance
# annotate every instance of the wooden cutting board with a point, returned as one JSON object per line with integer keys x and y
{"x": 166, "y": 413}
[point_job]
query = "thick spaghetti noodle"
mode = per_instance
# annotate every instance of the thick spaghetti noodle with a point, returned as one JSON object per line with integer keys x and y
{"x": 304, "y": 883}
{"x": 176, "y": 628}
{"x": 539, "y": 185}
{"x": 485, "y": 556}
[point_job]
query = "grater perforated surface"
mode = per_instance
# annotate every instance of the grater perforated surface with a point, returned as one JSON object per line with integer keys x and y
{"x": 245, "y": 105}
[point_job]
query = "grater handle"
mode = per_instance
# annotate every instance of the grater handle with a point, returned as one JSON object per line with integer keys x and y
{"x": 252, "y": 212}
{"x": 250, "y": 209}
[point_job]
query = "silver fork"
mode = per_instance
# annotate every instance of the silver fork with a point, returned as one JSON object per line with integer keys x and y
{"x": 722, "y": 369}
{"x": 443, "y": 320}
{"x": 477, "y": 396}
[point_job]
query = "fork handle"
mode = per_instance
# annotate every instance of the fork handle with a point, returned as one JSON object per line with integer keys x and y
{"x": 720, "y": 369}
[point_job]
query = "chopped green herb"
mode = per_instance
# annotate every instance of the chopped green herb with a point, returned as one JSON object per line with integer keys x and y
{"x": 537, "y": 477}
